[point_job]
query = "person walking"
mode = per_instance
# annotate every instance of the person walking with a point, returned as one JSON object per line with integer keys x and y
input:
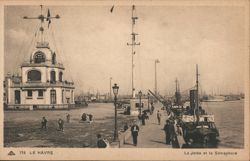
{"x": 159, "y": 117}
{"x": 90, "y": 118}
{"x": 134, "y": 132}
{"x": 152, "y": 108}
{"x": 167, "y": 131}
{"x": 84, "y": 117}
{"x": 172, "y": 132}
{"x": 68, "y": 118}
{"x": 143, "y": 117}
{"x": 60, "y": 124}
{"x": 44, "y": 123}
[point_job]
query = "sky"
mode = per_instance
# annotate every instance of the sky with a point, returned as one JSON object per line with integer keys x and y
{"x": 91, "y": 42}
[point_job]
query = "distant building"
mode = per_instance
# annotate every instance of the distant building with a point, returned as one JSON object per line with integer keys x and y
{"x": 41, "y": 84}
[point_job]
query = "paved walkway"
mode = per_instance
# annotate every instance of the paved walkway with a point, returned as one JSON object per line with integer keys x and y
{"x": 150, "y": 135}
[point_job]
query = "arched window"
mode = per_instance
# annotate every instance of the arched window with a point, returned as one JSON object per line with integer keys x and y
{"x": 34, "y": 75}
{"x": 60, "y": 76}
{"x": 52, "y": 96}
{"x": 39, "y": 57}
{"x": 53, "y": 76}
{"x": 54, "y": 58}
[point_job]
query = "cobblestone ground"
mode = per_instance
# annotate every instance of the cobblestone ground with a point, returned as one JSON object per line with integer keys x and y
{"x": 151, "y": 135}
{"x": 23, "y": 128}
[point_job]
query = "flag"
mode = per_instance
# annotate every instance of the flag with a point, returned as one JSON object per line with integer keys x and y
{"x": 48, "y": 15}
{"x": 48, "y": 18}
{"x": 157, "y": 61}
{"x": 112, "y": 8}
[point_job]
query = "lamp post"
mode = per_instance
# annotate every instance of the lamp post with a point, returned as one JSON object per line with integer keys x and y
{"x": 115, "y": 91}
{"x": 148, "y": 101}
{"x": 110, "y": 88}
{"x": 140, "y": 94}
{"x": 156, "y": 61}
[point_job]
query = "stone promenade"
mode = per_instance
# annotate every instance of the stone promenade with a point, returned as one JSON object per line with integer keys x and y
{"x": 150, "y": 135}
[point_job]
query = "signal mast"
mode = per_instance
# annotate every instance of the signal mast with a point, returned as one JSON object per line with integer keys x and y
{"x": 133, "y": 44}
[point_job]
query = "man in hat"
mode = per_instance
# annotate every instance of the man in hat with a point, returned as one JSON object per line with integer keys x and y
{"x": 167, "y": 131}
{"x": 44, "y": 123}
{"x": 152, "y": 108}
{"x": 68, "y": 118}
{"x": 159, "y": 117}
{"x": 60, "y": 124}
{"x": 134, "y": 132}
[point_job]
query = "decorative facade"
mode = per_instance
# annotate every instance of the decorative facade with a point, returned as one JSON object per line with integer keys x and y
{"x": 41, "y": 84}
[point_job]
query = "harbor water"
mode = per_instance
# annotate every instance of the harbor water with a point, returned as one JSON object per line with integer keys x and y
{"x": 229, "y": 119}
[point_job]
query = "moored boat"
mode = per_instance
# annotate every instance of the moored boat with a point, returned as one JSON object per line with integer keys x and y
{"x": 199, "y": 128}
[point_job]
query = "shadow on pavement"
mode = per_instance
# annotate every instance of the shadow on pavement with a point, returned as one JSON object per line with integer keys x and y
{"x": 158, "y": 142}
{"x": 155, "y": 123}
{"x": 128, "y": 143}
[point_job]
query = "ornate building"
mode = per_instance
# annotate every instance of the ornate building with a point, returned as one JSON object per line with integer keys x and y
{"x": 41, "y": 84}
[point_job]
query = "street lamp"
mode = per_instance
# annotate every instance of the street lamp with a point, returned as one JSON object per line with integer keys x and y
{"x": 110, "y": 87}
{"x": 148, "y": 102}
{"x": 140, "y": 94}
{"x": 156, "y": 61}
{"x": 115, "y": 91}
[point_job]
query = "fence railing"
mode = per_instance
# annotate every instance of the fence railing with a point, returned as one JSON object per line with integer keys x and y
{"x": 44, "y": 84}
{"x": 47, "y": 63}
{"x": 40, "y": 107}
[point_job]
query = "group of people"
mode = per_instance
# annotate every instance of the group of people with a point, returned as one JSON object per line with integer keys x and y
{"x": 87, "y": 117}
{"x": 60, "y": 123}
{"x": 172, "y": 128}
{"x": 143, "y": 117}
{"x": 104, "y": 143}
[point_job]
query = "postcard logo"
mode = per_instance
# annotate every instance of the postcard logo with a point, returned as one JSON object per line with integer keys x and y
{"x": 11, "y": 153}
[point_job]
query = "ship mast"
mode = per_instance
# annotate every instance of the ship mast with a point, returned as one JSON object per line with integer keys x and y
{"x": 176, "y": 91}
{"x": 197, "y": 93}
{"x": 133, "y": 44}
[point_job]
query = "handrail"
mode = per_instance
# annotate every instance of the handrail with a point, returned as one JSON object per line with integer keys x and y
{"x": 43, "y": 84}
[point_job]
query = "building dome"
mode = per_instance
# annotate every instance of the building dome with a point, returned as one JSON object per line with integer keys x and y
{"x": 43, "y": 54}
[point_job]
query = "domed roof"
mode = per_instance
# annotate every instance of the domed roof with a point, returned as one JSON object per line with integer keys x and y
{"x": 42, "y": 52}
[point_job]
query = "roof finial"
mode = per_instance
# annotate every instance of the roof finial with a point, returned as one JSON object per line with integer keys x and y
{"x": 42, "y": 17}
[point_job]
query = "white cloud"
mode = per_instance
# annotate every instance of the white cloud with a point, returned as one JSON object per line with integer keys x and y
{"x": 17, "y": 35}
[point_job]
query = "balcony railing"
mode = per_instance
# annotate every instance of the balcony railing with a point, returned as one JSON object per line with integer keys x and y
{"x": 43, "y": 84}
{"x": 46, "y": 63}
{"x": 40, "y": 107}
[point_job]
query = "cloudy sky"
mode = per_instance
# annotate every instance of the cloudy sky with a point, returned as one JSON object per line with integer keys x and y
{"x": 91, "y": 42}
